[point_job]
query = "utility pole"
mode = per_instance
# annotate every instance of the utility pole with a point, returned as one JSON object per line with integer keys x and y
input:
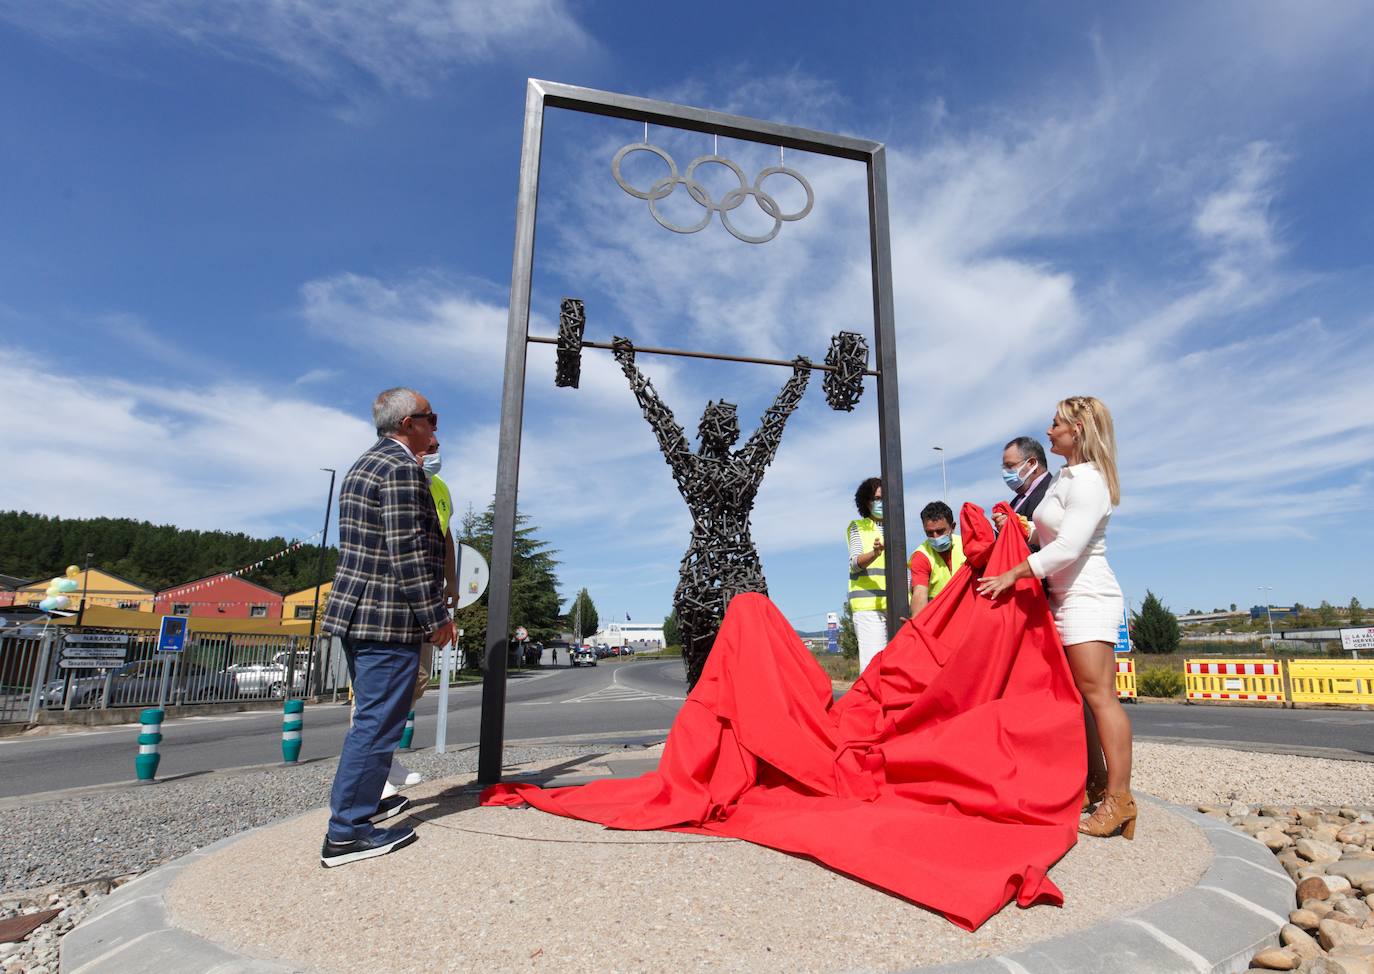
{"x": 1268, "y": 610}
{"x": 319, "y": 579}
{"x": 944, "y": 480}
{"x": 85, "y": 585}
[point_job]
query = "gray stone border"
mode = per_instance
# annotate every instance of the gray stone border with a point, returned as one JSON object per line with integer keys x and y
{"x": 1235, "y": 910}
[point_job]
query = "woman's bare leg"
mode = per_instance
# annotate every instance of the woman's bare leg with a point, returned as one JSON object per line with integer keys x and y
{"x": 1094, "y": 670}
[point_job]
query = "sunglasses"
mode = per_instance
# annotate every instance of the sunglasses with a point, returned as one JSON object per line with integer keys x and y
{"x": 431, "y": 418}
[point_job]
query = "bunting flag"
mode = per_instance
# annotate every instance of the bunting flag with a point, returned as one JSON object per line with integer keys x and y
{"x": 238, "y": 572}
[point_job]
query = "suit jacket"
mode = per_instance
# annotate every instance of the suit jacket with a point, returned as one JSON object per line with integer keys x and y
{"x": 1033, "y": 499}
{"x": 389, "y": 586}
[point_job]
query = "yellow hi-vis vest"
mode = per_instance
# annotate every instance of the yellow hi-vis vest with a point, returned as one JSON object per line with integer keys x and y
{"x": 868, "y": 586}
{"x": 443, "y": 501}
{"x": 940, "y": 573}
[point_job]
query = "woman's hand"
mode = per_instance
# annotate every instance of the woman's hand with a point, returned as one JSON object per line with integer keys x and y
{"x": 995, "y": 585}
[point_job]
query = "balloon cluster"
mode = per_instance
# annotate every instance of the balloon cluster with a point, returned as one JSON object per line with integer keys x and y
{"x": 58, "y": 589}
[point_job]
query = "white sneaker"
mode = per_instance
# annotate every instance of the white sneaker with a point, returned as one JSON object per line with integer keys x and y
{"x": 401, "y": 776}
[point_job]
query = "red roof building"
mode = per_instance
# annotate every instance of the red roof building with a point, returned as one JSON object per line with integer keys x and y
{"x": 222, "y": 596}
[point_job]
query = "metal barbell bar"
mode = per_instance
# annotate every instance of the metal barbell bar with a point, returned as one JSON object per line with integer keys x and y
{"x": 847, "y": 360}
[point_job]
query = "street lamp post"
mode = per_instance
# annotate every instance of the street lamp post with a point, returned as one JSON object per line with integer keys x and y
{"x": 319, "y": 579}
{"x": 944, "y": 480}
{"x": 1267, "y": 610}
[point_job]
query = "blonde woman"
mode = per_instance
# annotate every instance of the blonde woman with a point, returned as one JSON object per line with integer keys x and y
{"x": 1070, "y": 525}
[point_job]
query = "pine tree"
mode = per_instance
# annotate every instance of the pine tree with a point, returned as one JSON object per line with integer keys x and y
{"x": 1154, "y": 629}
{"x": 582, "y": 615}
{"x": 672, "y": 630}
{"x": 1356, "y": 612}
{"x": 534, "y": 601}
{"x": 849, "y": 639}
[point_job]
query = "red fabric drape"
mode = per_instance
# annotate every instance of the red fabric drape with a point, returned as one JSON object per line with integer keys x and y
{"x": 951, "y": 774}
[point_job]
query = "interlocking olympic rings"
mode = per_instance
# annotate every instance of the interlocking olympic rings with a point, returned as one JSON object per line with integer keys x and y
{"x": 664, "y": 187}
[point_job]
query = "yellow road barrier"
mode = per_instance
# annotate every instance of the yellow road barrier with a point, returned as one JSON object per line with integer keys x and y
{"x": 1349, "y": 681}
{"x": 1125, "y": 678}
{"x": 1234, "y": 679}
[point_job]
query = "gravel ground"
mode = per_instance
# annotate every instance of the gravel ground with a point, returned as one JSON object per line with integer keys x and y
{"x": 1201, "y": 775}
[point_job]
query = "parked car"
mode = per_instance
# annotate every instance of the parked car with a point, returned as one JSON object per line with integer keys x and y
{"x": 263, "y": 679}
{"x": 583, "y": 657}
{"x": 140, "y": 682}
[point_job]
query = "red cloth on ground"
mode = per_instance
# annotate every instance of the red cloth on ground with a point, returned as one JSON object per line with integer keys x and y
{"x": 951, "y": 774}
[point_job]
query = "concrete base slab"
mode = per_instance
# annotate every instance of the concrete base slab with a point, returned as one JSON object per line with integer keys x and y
{"x": 502, "y": 889}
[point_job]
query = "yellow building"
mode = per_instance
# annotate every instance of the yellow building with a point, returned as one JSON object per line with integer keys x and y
{"x": 296, "y": 606}
{"x": 101, "y": 588}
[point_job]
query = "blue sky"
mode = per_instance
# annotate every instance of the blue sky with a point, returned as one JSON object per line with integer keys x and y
{"x": 225, "y": 227}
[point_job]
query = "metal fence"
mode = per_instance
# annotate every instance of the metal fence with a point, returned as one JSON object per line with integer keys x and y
{"x": 213, "y": 668}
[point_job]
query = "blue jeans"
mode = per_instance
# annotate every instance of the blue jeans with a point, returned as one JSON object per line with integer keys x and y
{"x": 383, "y": 681}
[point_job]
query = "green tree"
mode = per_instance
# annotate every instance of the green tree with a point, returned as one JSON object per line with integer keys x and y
{"x": 849, "y": 639}
{"x": 1154, "y": 629}
{"x": 1356, "y": 612}
{"x": 534, "y": 601}
{"x": 582, "y": 617}
{"x": 1326, "y": 613}
{"x": 672, "y": 629}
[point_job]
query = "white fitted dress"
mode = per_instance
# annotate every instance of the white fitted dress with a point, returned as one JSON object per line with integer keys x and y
{"x": 1071, "y": 528}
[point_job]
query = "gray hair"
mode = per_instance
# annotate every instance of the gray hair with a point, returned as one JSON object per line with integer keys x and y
{"x": 391, "y": 408}
{"x": 1030, "y": 447}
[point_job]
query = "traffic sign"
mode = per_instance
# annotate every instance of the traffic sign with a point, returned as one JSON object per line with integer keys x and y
{"x": 93, "y": 650}
{"x": 473, "y": 575}
{"x": 521, "y": 634}
{"x": 1123, "y": 634}
{"x": 832, "y": 632}
{"x": 171, "y": 636}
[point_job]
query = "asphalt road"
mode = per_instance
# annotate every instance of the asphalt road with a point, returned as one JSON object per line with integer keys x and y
{"x": 612, "y": 701}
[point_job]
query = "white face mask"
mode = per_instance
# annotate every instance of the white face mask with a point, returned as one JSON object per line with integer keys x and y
{"x": 432, "y": 463}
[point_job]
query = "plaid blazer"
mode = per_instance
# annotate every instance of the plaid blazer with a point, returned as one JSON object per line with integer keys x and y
{"x": 389, "y": 586}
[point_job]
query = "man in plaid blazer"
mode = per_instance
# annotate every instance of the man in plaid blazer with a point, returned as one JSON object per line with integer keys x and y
{"x": 387, "y": 596}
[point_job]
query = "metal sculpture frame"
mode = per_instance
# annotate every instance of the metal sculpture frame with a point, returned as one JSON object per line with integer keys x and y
{"x": 541, "y": 95}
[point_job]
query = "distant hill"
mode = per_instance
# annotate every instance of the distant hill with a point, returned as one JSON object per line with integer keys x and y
{"x": 155, "y": 555}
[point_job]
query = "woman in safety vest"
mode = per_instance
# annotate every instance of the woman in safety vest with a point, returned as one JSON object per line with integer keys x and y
{"x": 868, "y": 572}
{"x": 1071, "y": 527}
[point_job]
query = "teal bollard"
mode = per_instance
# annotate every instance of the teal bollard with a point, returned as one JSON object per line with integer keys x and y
{"x": 408, "y": 734}
{"x": 293, "y": 719}
{"x": 149, "y": 737}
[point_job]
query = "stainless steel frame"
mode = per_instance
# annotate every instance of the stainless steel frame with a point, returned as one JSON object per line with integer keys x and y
{"x": 540, "y": 95}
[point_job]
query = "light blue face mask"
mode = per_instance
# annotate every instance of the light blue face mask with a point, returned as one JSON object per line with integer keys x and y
{"x": 432, "y": 462}
{"x": 877, "y": 509}
{"x": 1013, "y": 477}
{"x": 941, "y": 543}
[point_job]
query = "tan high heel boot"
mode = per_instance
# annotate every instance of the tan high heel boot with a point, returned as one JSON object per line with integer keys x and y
{"x": 1095, "y": 792}
{"x": 1116, "y": 814}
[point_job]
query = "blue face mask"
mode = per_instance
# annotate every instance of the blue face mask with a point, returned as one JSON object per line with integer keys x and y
{"x": 432, "y": 462}
{"x": 941, "y": 543}
{"x": 877, "y": 509}
{"x": 1013, "y": 477}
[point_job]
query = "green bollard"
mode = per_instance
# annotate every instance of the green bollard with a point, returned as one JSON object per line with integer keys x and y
{"x": 408, "y": 734}
{"x": 293, "y": 720}
{"x": 149, "y": 737}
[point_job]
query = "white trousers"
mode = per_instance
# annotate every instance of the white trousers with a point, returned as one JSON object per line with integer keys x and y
{"x": 871, "y": 628}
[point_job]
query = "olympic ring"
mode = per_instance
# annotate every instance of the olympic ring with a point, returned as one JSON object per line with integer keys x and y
{"x": 663, "y": 188}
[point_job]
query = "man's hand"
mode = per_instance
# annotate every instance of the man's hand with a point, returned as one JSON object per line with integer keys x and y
{"x": 877, "y": 546}
{"x": 998, "y": 519}
{"x": 444, "y": 635}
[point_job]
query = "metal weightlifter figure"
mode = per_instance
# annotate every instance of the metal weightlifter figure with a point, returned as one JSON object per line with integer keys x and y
{"x": 719, "y": 486}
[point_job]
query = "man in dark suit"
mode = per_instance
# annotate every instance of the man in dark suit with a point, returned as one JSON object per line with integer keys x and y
{"x": 387, "y": 597}
{"x": 1024, "y": 471}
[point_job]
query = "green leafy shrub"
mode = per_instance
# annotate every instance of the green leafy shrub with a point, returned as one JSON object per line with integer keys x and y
{"x": 1160, "y": 681}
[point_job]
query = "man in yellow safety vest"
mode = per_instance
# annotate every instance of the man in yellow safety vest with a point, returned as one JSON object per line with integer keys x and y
{"x": 938, "y": 557}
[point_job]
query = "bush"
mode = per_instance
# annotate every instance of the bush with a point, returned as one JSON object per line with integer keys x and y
{"x": 1160, "y": 681}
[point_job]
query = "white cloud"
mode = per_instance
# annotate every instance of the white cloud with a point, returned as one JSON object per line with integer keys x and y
{"x": 401, "y": 45}
{"x": 230, "y": 456}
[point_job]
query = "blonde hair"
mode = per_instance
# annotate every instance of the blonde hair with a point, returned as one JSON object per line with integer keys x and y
{"x": 1096, "y": 438}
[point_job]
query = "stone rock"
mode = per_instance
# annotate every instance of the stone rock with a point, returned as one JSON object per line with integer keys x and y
{"x": 1274, "y": 839}
{"x": 1303, "y": 920}
{"x": 1310, "y": 820}
{"x": 1299, "y": 941}
{"x": 1276, "y": 811}
{"x": 1257, "y": 822}
{"x": 1314, "y": 850}
{"x": 1338, "y": 964}
{"x": 1352, "y": 950}
{"x": 1274, "y": 959}
{"x": 1311, "y": 869}
{"x": 1238, "y": 809}
{"x": 1352, "y": 833}
{"x": 1333, "y": 932}
{"x": 1358, "y": 871}
{"x": 1313, "y": 888}
{"x": 1337, "y": 884}
{"x": 1352, "y": 907}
